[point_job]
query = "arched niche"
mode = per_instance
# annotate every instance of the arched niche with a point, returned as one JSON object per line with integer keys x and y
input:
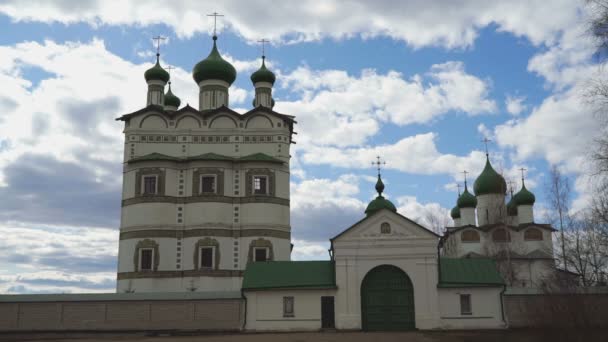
{"x": 223, "y": 121}
{"x": 187, "y": 122}
{"x": 259, "y": 121}
{"x": 153, "y": 121}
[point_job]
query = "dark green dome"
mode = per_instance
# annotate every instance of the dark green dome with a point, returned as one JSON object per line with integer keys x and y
{"x": 156, "y": 73}
{"x": 263, "y": 74}
{"x": 379, "y": 202}
{"x": 466, "y": 200}
{"x": 524, "y": 197}
{"x": 489, "y": 181}
{"x": 171, "y": 99}
{"x": 455, "y": 213}
{"x": 512, "y": 207}
{"x": 214, "y": 67}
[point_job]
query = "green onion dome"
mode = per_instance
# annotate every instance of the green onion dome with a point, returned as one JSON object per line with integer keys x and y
{"x": 156, "y": 73}
{"x": 263, "y": 74}
{"x": 379, "y": 202}
{"x": 489, "y": 181}
{"x": 455, "y": 213}
{"x": 214, "y": 67}
{"x": 466, "y": 200}
{"x": 171, "y": 99}
{"x": 524, "y": 196}
{"x": 512, "y": 207}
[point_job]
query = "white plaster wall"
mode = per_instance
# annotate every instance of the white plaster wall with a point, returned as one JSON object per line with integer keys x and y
{"x": 467, "y": 216}
{"x": 525, "y": 214}
{"x": 265, "y": 310}
{"x": 202, "y": 284}
{"x": 264, "y": 214}
{"x": 144, "y": 214}
{"x": 496, "y": 208}
{"x": 485, "y": 305}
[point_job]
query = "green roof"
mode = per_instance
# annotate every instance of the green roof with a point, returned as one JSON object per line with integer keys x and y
{"x": 156, "y": 73}
{"x": 466, "y": 200}
{"x": 263, "y": 74}
{"x": 456, "y": 272}
{"x": 379, "y": 202}
{"x": 455, "y": 213}
{"x": 214, "y": 67}
{"x": 524, "y": 196}
{"x": 289, "y": 274}
{"x": 512, "y": 207}
{"x": 489, "y": 181}
{"x": 171, "y": 99}
{"x": 260, "y": 157}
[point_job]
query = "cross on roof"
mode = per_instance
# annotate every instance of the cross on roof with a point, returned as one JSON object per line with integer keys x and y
{"x": 263, "y": 41}
{"x": 522, "y": 172}
{"x": 378, "y": 164}
{"x": 215, "y": 15}
{"x": 511, "y": 187}
{"x": 486, "y": 141}
{"x": 465, "y": 177}
{"x": 158, "y": 39}
{"x": 458, "y": 186}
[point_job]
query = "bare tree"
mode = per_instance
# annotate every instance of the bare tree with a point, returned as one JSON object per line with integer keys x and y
{"x": 436, "y": 220}
{"x": 558, "y": 192}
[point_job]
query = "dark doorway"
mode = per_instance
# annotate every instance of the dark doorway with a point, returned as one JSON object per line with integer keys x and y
{"x": 328, "y": 320}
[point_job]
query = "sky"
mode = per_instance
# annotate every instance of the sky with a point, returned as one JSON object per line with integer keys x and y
{"x": 419, "y": 83}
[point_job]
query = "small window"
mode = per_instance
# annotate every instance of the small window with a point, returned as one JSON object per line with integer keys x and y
{"x": 145, "y": 259}
{"x": 385, "y": 228}
{"x": 150, "y": 186}
{"x": 501, "y": 235}
{"x": 206, "y": 257}
{"x": 207, "y": 184}
{"x": 533, "y": 234}
{"x": 260, "y": 254}
{"x": 469, "y": 236}
{"x": 288, "y": 307}
{"x": 260, "y": 184}
{"x": 465, "y": 304}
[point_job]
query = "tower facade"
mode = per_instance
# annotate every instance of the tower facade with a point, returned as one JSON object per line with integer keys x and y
{"x": 205, "y": 191}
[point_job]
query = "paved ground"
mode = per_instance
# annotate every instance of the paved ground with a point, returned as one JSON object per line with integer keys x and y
{"x": 453, "y": 336}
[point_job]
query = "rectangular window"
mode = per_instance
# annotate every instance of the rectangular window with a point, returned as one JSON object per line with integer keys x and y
{"x": 207, "y": 184}
{"x": 145, "y": 259}
{"x": 288, "y": 307}
{"x": 260, "y": 184}
{"x": 150, "y": 186}
{"x": 260, "y": 254}
{"x": 465, "y": 304}
{"x": 206, "y": 257}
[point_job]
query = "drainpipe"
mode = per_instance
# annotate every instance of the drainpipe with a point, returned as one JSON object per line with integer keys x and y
{"x": 502, "y": 306}
{"x": 245, "y": 311}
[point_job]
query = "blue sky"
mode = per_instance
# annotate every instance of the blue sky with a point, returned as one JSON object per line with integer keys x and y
{"x": 409, "y": 82}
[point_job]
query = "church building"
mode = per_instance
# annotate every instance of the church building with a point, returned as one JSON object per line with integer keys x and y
{"x": 206, "y": 208}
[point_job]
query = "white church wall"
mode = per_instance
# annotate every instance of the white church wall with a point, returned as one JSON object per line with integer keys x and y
{"x": 142, "y": 214}
{"x": 265, "y": 310}
{"x": 491, "y": 209}
{"x": 485, "y": 308}
{"x": 180, "y": 284}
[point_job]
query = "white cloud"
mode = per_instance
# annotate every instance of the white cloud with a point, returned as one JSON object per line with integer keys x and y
{"x": 515, "y": 104}
{"x": 336, "y": 108}
{"x": 419, "y": 23}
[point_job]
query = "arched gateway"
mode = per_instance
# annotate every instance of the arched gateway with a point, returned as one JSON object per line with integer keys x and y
{"x": 387, "y": 300}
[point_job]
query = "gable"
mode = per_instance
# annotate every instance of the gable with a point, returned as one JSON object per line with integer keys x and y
{"x": 371, "y": 226}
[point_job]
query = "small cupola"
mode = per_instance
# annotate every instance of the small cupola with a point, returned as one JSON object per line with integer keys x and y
{"x": 263, "y": 79}
{"x": 172, "y": 102}
{"x": 379, "y": 202}
{"x": 489, "y": 181}
{"x": 214, "y": 75}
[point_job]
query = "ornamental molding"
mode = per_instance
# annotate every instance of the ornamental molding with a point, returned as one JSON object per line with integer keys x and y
{"x": 147, "y": 243}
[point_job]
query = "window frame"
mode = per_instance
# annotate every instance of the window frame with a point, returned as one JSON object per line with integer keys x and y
{"x": 507, "y": 235}
{"x": 463, "y": 240}
{"x": 466, "y": 300}
{"x": 385, "y": 228}
{"x": 200, "y": 261}
{"x": 253, "y": 185}
{"x": 143, "y": 184}
{"x": 289, "y": 306}
{"x": 527, "y": 238}
{"x": 207, "y": 175}
{"x": 141, "y": 259}
{"x": 265, "y": 249}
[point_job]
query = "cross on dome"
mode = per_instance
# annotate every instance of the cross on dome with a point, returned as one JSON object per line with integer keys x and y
{"x": 215, "y": 15}
{"x": 378, "y": 164}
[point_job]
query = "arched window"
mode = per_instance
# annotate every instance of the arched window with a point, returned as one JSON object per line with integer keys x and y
{"x": 533, "y": 234}
{"x": 501, "y": 235}
{"x": 385, "y": 228}
{"x": 469, "y": 235}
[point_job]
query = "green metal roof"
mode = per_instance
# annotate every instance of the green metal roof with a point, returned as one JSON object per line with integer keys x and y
{"x": 171, "y": 99}
{"x": 259, "y": 157}
{"x": 156, "y": 73}
{"x": 455, "y": 213}
{"x": 489, "y": 181}
{"x": 263, "y": 74}
{"x": 214, "y": 67}
{"x": 289, "y": 274}
{"x": 466, "y": 200}
{"x": 524, "y": 196}
{"x": 379, "y": 202}
{"x": 459, "y": 272}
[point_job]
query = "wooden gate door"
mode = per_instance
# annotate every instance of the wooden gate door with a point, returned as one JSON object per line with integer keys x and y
{"x": 327, "y": 312}
{"x": 387, "y": 300}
